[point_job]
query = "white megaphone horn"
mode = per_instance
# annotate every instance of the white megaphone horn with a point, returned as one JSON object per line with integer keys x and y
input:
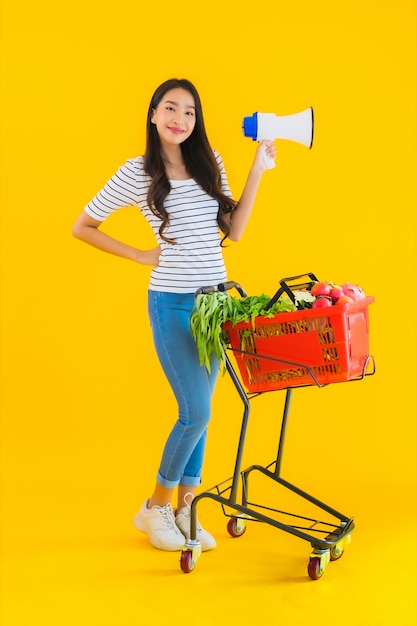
{"x": 298, "y": 127}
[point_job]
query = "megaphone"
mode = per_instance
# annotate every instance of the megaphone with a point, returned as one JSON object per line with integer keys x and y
{"x": 298, "y": 127}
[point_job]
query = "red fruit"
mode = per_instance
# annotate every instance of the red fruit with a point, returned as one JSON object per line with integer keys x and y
{"x": 321, "y": 301}
{"x": 320, "y": 289}
{"x": 336, "y": 292}
{"x": 354, "y": 291}
{"x": 344, "y": 300}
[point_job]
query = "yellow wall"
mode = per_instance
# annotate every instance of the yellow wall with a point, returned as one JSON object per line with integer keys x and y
{"x": 79, "y": 376}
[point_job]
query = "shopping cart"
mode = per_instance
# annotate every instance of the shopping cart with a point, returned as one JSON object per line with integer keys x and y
{"x": 302, "y": 348}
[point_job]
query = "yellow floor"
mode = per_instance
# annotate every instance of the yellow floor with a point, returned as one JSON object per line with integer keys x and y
{"x": 71, "y": 557}
{"x": 64, "y": 565}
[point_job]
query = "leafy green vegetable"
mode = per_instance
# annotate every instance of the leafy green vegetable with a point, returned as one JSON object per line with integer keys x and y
{"x": 212, "y": 310}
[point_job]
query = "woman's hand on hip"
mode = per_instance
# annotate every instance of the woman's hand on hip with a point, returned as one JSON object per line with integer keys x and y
{"x": 149, "y": 257}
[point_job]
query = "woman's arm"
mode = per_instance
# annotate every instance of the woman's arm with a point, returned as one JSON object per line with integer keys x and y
{"x": 240, "y": 216}
{"x": 87, "y": 229}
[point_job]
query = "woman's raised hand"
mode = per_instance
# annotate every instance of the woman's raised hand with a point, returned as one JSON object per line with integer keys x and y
{"x": 265, "y": 155}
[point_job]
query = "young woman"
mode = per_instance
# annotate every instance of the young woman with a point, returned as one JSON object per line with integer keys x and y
{"x": 181, "y": 188}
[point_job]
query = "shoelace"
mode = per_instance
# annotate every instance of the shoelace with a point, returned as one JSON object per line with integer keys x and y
{"x": 167, "y": 517}
{"x": 188, "y": 510}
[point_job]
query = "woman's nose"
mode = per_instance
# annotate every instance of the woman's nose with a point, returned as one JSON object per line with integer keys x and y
{"x": 178, "y": 119}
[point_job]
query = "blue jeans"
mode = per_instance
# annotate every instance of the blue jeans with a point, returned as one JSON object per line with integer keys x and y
{"x": 193, "y": 386}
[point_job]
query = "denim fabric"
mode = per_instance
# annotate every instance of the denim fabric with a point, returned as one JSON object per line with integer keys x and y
{"x": 193, "y": 387}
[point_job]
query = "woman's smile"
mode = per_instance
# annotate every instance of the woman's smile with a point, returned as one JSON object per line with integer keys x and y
{"x": 176, "y": 130}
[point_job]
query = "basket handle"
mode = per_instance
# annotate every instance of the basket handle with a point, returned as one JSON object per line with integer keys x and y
{"x": 286, "y": 287}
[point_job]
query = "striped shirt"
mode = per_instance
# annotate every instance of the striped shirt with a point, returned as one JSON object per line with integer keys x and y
{"x": 195, "y": 259}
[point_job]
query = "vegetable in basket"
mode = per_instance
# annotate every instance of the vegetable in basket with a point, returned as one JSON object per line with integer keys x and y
{"x": 328, "y": 293}
{"x": 212, "y": 310}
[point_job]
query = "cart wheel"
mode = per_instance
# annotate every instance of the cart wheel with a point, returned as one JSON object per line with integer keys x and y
{"x": 315, "y": 570}
{"x": 235, "y": 527}
{"x": 336, "y": 552}
{"x": 187, "y": 562}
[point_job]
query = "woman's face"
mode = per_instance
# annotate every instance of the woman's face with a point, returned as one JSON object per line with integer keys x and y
{"x": 174, "y": 117}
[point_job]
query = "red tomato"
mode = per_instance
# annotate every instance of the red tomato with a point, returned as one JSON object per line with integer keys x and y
{"x": 320, "y": 289}
{"x": 336, "y": 292}
{"x": 321, "y": 301}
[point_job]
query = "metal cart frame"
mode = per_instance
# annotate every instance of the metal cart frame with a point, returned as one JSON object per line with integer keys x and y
{"x": 328, "y": 539}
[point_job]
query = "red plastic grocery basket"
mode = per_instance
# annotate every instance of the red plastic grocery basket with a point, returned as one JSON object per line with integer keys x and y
{"x": 284, "y": 351}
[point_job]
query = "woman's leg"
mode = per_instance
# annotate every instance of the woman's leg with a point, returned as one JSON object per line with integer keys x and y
{"x": 161, "y": 496}
{"x": 183, "y": 454}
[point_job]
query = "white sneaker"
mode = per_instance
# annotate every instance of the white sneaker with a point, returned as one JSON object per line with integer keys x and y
{"x": 183, "y": 521}
{"x": 159, "y": 524}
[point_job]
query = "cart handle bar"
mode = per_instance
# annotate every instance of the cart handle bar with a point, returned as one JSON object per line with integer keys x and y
{"x": 221, "y": 287}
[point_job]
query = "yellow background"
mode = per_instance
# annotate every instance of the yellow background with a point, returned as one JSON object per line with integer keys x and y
{"x": 85, "y": 408}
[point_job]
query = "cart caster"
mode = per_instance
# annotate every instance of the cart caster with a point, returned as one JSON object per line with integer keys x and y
{"x": 236, "y": 527}
{"x": 319, "y": 559}
{"x": 189, "y": 556}
{"x": 337, "y": 551}
{"x": 187, "y": 562}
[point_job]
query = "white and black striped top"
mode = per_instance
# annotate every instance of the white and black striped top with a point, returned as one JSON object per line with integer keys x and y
{"x": 195, "y": 259}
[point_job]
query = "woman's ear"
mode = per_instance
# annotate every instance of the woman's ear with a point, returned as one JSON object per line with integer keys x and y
{"x": 153, "y": 116}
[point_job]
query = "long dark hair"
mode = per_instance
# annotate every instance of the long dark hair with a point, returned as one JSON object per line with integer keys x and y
{"x": 198, "y": 157}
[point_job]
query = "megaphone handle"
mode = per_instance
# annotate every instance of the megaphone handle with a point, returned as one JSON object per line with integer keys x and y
{"x": 270, "y": 163}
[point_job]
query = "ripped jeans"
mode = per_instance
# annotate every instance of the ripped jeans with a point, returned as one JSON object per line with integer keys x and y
{"x": 193, "y": 386}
